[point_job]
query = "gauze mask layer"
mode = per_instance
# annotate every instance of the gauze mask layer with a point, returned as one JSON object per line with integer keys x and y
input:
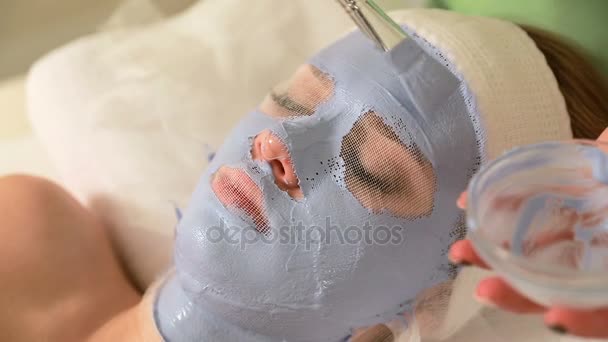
{"x": 330, "y": 207}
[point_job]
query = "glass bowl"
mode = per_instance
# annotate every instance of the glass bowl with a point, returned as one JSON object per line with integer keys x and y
{"x": 539, "y": 216}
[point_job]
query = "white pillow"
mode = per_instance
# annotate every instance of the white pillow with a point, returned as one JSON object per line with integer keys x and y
{"x": 20, "y": 151}
{"x": 130, "y": 116}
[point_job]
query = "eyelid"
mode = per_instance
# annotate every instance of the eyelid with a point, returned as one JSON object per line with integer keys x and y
{"x": 286, "y": 102}
{"x": 372, "y": 181}
{"x": 301, "y": 95}
{"x": 383, "y": 185}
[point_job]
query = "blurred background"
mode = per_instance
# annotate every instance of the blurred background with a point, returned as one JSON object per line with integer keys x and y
{"x": 31, "y": 28}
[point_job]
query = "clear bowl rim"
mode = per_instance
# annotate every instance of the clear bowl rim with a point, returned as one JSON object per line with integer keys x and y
{"x": 489, "y": 247}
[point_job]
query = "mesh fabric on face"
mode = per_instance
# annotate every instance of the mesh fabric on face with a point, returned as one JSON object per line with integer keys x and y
{"x": 300, "y": 96}
{"x": 384, "y": 173}
{"x": 238, "y": 192}
{"x": 381, "y": 171}
{"x": 344, "y": 180}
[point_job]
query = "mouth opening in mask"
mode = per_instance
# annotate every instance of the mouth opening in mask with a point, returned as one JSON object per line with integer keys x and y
{"x": 237, "y": 191}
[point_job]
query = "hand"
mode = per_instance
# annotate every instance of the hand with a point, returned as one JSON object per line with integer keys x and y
{"x": 494, "y": 291}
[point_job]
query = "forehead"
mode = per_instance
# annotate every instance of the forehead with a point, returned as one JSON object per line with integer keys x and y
{"x": 355, "y": 60}
{"x": 412, "y": 78}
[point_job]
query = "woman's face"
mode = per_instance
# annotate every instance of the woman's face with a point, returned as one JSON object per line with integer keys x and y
{"x": 381, "y": 171}
{"x": 348, "y": 175}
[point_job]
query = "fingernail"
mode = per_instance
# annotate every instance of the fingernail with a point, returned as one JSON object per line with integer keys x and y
{"x": 461, "y": 201}
{"x": 559, "y": 329}
{"x": 484, "y": 301}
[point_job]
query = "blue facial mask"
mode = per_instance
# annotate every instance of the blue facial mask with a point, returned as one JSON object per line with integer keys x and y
{"x": 381, "y": 155}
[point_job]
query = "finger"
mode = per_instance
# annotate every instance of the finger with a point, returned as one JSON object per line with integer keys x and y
{"x": 463, "y": 253}
{"x": 462, "y": 201}
{"x": 591, "y": 324}
{"x": 494, "y": 291}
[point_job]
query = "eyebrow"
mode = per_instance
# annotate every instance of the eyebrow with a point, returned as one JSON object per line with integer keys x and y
{"x": 286, "y": 102}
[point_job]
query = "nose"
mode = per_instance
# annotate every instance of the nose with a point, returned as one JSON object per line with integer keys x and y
{"x": 269, "y": 148}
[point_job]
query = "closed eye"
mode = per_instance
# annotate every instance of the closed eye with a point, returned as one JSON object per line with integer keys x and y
{"x": 286, "y": 102}
{"x": 385, "y": 185}
{"x": 301, "y": 95}
{"x": 385, "y": 174}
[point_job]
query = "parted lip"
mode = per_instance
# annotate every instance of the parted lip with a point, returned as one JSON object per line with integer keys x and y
{"x": 236, "y": 190}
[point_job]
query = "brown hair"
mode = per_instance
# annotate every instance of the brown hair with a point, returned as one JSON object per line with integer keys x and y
{"x": 583, "y": 87}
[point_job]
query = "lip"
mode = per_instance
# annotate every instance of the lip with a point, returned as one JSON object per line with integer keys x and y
{"x": 236, "y": 190}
